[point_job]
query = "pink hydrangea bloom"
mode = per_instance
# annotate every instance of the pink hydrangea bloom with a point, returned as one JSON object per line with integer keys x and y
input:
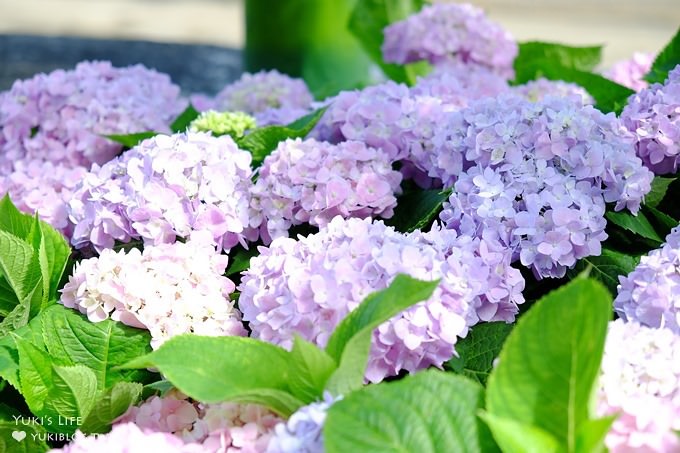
{"x": 537, "y": 90}
{"x": 640, "y": 382}
{"x": 630, "y": 72}
{"x": 449, "y": 31}
{"x": 164, "y": 188}
{"x": 650, "y": 294}
{"x": 308, "y": 286}
{"x": 311, "y": 181}
{"x": 45, "y": 188}
{"x": 169, "y": 289}
{"x": 653, "y": 116}
{"x": 61, "y": 117}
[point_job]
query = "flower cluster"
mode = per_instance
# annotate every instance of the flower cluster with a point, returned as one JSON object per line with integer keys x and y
{"x": 640, "y": 383}
{"x": 448, "y": 31}
{"x": 311, "y": 181}
{"x": 169, "y": 289}
{"x": 223, "y": 123}
{"x": 653, "y": 115}
{"x": 303, "y": 432}
{"x": 307, "y": 287}
{"x": 164, "y": 188}
{"x": 220, "y": 427}
{"x": 60, "y": 117}
{"x": 536, "y": 176}
{"x": 271, "y": 97}
{"x": 43, "y": 187}
{"x": 650, "y": 294}
{"x": 537, "y": 90}
{"x": 631, "y": 72}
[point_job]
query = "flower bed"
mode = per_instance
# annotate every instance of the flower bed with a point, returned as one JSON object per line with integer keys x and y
{"x": 428, "y": 263}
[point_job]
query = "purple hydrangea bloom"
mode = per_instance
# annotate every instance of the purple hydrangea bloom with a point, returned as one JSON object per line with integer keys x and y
{"x": 653, "y": 116}
{"x": 311, "y": 181}
{"x": 308, "y": 286}
{"x": 164, "y": 188}
{"x": 631, "y": 72}
{"x": 650, "y": 294}
{"x": 448, "y": 31}
{"x": 303, "y": 432}
{"x": 61, "y": 117}
{"x": 536, "y": 90}
{"x": 640, "y": 384}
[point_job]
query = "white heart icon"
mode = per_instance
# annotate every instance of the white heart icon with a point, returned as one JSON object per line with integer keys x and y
{"x": 19, "y": 435}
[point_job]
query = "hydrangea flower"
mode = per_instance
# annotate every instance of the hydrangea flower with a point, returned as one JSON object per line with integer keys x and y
{"x": 271, "y": 97}
{"x": 640, "y": 382}
{"x": 631, "y": 72}
{"x": 537, "y": 90}
{"x": 129, "y": 438}
{"x": 221, "y": 427}
{"x": 448, "y": 31}
{"x": 169, "y": 289}
{"x": 234, "y": 124}
{"x": 61, "y": 116}
{"x": 536, "y": 176}
{"x": 653, "y": 115}
{"x": 164, "y": 188}
{"x": 43, "y": 187}
{"x": 308, "y": 286}
{"x": 311, "y": 181}
{"x": 650, "y": 294}
{"x": 303, "y": 432}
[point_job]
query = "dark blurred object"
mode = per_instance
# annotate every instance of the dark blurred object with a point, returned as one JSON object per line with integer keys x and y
{"x": 195, "y": 68}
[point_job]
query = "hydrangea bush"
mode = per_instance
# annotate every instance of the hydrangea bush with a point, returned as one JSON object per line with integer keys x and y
{"x": 428, "y": 260}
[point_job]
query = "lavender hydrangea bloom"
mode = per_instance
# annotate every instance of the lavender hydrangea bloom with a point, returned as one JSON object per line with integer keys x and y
{"x": 311, "y": 181}
{"x": 169, "y": 289}
{"x": 448, "y": 31}
{"x": 631, "y": 72}
{"x": 61, "y": 117}
{"x": 653, "y": 116}
{"x": 650, "y": 294}
{"x": 45, "y": 188}
{"x": 307, "y": 287}
{"x": 537, "y": 90}
{"x": 303, "y": 432}
{"x": 164, "y": 188}
{"x": 640, "y": 384}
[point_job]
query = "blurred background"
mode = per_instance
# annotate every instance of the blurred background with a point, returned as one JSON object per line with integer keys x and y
{"x": 623, "y": 26}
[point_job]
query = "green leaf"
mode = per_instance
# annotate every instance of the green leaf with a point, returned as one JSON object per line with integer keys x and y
{"x": 668, "y": 59}
{"x": 17, "y": 265}
{"x": 131, "y": 140}
{"x": 184, "y": 119}
{"x": 593, "y": 432}
{"x": 367, "y": 21}
{"x": 110, "y": 405}
{"x": 8, "y": 300}
{"x": 215, "y": 369}
{"x": 350, "y": 342}
{"x": 658, "y": 192}
{"x": 54, "y": 253}
{"x": 100, "y": 346}
{"x": 581, "y": 58}
{"x": 607, "y": 267}
{"x": 516, "y": 437}
{"x": 310, "y": 369}
{"x": 663, "y": 222}
{"x": 12, "y": 220}
{"x": 418, "y": 210}
{"x": 9, "y": 355}
{"x": 239, "y": 259}
{"x": 478, "y": 350}
{"x": 427, "y": 412}
{"x": 262, "y": 141}
{"x": 550, "y": 362}
{"x": 21, "y": 435}
{"x": 637, "y": 224}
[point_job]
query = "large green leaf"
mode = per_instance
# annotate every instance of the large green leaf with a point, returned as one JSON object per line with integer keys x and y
{"x": 350, "y": 342}
{"x": 477, "y": 351}
{"x": 9, "y": 355}
{"x": 18, "y": 266}
{"x": 659, "y": 188}
{"x": 637, "y": 224}
{"x": 607, "y": 267}
{"x": 517, "y": 437}
{"x": 581, "y": 58}
{"x": 310, "y": 369}
{"x": 100, "y": 346}
{"x": 418, "y": 209}
{"x": 54, "y": 252}
{"x": 215, "y": 369}
{"x": 131, "y": 140}
{"x": 427, "y": 412}
{"x": 367, "y": 21}
{"x": 668, "y": 59}
{"x": 20, "y": 434}
{"x": 550, "y": 362}
{"x": 12, "y": 220}
{"x": 111, "y": 404}
{"x": 182, "y": 122}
